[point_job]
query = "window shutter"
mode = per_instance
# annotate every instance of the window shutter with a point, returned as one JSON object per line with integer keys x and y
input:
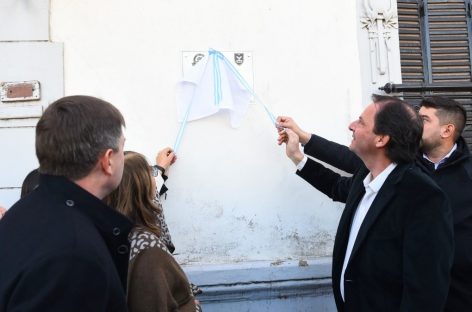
{"x": 411, "y": 47}
{"x": 435, "y": 48}
{"x": 449, "y": 41}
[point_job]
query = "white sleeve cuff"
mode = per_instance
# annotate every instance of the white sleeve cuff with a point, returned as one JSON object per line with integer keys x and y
{"x": 302, "y": 163}
{"x": 159, "y": 181}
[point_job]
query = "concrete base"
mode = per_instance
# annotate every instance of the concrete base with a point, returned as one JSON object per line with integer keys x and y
{"x": 264, "y": 286}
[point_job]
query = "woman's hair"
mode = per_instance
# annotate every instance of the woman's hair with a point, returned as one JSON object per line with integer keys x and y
{"x": 134, "y": 196}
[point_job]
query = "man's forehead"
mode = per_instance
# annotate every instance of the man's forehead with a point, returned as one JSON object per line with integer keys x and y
{"x": 427, "y": 110}
{"x": 371, "y": 109}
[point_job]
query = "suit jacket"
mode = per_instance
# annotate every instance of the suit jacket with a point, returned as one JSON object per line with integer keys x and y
{"x": 62, "y": 249}
{"x": 403, "y": 252}
{"x": 454, "y": 177}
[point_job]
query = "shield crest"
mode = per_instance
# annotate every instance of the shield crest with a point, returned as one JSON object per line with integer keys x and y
{"x": 239, "y": 58}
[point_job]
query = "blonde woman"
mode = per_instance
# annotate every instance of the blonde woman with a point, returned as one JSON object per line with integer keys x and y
{"x": 156, "y": 282}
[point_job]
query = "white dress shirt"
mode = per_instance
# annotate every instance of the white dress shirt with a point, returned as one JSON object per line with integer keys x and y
{"x": 372, "y": 187}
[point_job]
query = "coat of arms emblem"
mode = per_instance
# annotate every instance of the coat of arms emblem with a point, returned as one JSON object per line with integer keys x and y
{"x": 239, "y": 58}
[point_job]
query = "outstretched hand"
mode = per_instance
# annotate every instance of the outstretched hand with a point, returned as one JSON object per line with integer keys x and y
{"x": 292, "y": 144}
{"x": 292, "y": 148}
{"x": 283, "y": 137}
{"x": 165, "y": 158}
{"x": 284, "y": 122}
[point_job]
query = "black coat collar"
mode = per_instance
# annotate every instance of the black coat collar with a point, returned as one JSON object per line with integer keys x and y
{"x": 112, "y": 225}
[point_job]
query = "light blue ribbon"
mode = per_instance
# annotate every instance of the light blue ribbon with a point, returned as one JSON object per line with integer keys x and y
{"x": 217, "y": 92}
{"x": 241, "y": 79}
{"x": 182, "y": 126}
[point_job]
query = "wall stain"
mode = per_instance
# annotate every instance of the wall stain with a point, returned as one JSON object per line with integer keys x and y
{"x": 276, "y": 262}
{"x": 317, "y": 244}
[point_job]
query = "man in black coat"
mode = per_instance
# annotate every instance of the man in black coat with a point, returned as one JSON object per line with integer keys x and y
{"x": 394, "y": 244}
{"x": 445, "y": 157}
{"x": 61, "y": 247}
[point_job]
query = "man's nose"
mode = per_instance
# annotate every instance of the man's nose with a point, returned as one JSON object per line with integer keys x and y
{"x": 352, "y": 126}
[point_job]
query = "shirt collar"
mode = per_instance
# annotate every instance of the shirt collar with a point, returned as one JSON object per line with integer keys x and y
{"x": 373, "y": 186}
{"x": 436, "y": 165}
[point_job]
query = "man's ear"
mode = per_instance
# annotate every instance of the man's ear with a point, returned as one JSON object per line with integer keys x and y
{"x": 447, "y": 130}
{"x": 105, "y": 162}
{"x": 382, "y": 140}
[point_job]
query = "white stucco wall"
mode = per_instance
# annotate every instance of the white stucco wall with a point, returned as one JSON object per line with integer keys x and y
{"x": 233, "y": 193}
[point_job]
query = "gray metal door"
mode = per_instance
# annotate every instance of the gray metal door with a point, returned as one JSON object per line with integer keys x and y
{"x": 31, "y": 77}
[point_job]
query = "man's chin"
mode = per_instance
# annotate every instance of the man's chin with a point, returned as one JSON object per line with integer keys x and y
{"x": 424, "y": 147}
{"x": 352, "y": 148}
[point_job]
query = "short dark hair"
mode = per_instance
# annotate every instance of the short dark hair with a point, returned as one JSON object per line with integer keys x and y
{"x": 402, "y": 124}
{"x": 448, "y": 111}
{"x": 72, "y": 134}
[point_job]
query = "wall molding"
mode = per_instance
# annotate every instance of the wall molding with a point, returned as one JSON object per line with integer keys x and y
{"x": 380, "y": 20}
{"x": 262, "y": 281}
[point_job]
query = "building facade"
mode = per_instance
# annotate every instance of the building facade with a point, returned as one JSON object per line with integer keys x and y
{"x": 247, "y": 229}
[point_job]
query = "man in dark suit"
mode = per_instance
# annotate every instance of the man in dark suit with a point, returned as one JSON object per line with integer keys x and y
{"x": 394, "y": 244}
{"x": 61, "y": 247}
{"x": 445, "y": 157}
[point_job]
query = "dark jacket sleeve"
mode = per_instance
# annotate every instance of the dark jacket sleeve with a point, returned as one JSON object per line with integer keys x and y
{"x": 326, "y": 181}
{"x": 426, "y": 273}
{"x": 156, "y": 282}
{"x": 332, "y": 153}
{"x": 67, "y": 281}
